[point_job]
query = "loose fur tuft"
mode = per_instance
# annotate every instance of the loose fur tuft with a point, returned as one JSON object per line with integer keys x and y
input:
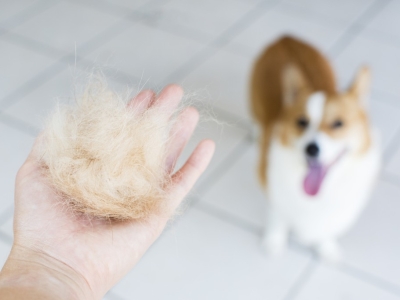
{"x": 105, "y": 159}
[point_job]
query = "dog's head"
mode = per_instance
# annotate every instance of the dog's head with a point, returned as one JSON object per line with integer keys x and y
{"x": 323, "y": 128}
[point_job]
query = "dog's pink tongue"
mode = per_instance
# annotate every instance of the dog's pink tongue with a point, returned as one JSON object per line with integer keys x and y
{"x": 314, "y": 178}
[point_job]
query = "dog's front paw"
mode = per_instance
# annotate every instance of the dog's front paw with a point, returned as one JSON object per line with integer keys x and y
{"x": 329, "y": 251}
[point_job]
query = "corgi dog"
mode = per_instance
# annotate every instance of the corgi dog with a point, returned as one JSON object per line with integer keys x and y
{"x": 319, "y": 156}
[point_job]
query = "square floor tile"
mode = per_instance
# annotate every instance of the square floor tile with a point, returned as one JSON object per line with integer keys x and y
{"x": 145, "y": 53}
{"x": 8, "y": 226}
{"x": 5, "y": 249}
{"x": 276, "y": 23}
{"x": 222, "y": 81}
{"x": 13, "y": 152}
{"x": 112, "y": 296}
{"x": 383, "y": 59}
{"x": 9, "y": 9}
{"x": 128, "y": 5}
{"x": 387, "y": 21}
{"x": 342, "y": 11}
{"x": 227, "y": 138}
{"x": 331, "y": 284}
{"x": 201, "y": 257}
{"x": 201, "y": 19}
{"x": 385, "y": 117}
{"x": 35, "y": 107}
{"x": 393, "y": 166}
{"x": 238, "y": 192}
{"x": 66, "y": 26}
{"x": 18, "y": 65}
{"x": 373, "y": 244}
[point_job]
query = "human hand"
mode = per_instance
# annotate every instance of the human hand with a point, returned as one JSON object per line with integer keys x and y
{"x": 59, "y": 254}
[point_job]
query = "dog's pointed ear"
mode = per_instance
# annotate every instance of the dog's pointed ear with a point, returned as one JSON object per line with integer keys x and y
{"x": 293, "y": 82}
{"x": 360, "y": 87}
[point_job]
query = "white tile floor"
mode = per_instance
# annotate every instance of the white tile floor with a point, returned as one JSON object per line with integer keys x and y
{"x": 212, "y": 251}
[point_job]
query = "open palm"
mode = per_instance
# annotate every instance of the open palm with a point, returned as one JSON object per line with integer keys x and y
{"x": 101, "y": 252}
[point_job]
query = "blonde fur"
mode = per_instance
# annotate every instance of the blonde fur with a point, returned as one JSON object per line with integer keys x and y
{"x": 105, "y": 159}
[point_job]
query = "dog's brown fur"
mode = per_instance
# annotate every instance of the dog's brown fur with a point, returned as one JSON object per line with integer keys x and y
{"x": 289, "y": 59}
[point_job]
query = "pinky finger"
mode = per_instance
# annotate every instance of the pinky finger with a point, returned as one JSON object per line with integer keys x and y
{"x": 185, "y": 178}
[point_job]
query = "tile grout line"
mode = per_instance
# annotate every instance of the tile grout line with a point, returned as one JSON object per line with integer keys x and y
{"x": 296, "y": 10}
{"x": 219, "y": 113}
{"x": 382, "y": 37}
{"x": 26, "y": 14}
{"x": 192, "y": 200}
{"x": 369, "y": 278}
{"x": 344, "y": 40}
{"x": 33, "y": 45}
{"x": 131, "y": 20}
{"x": 143, "y": 16}
{"x": 101, "y": 6}
{"x": 364, "y": 15}
{"x": 63, "y": 59}
{"x": 356, "y": 27}
{"x": 6, "y": 214}
{"x": 53, "y": 70}
{"x": 251, "y": 16}
{"x": 116, "y": 9}
{"x": 244, "y": 225}
{"x": 304, "y": 277}
{"x": 6, "y": 238}
{"x": 68, "y": 57}
{"x": 18, "y": 124}
{"x": 221, "y": 40}
{"x": 392, "y": 102}
{"x": 227, "y": 217}
{"x": 32, "y": 84}
{"x": 57, "y": 67}
{"x": 45, "y": 49}
{"x": 390, "y": 178}
{"x": 223, "y": 166}
{"x": 113, "y": 296}
{"x": 238, "y": 222}
{"x": 391, "y": 148}
{"x": 345, "y": 268}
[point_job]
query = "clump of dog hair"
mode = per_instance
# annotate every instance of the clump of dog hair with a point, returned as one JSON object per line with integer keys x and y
{"x": 105, "y": 159}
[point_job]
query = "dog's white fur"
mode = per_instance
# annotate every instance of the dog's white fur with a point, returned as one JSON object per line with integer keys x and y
{"x": 319, "y": 220}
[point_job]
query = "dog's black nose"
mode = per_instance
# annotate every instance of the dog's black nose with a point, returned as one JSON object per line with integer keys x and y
{"x": 312, "y": 150}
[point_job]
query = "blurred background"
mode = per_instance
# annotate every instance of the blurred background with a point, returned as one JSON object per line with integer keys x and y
{"x": 208, "y": 46}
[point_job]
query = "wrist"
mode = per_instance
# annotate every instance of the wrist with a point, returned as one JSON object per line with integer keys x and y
{"x": 35, "y": 274}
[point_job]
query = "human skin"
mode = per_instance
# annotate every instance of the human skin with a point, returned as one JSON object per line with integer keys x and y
{"x": 58, "y": 254}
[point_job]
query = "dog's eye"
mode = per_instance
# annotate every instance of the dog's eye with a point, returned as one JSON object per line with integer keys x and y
{"x": 337, "y": 124}
{"x": 302, "y": 122}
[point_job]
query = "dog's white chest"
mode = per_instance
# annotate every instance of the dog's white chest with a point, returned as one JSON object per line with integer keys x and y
{"x": 341, "y": 198}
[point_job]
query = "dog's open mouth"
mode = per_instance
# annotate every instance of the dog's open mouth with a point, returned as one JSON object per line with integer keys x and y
{"x": 316, "y": 173}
